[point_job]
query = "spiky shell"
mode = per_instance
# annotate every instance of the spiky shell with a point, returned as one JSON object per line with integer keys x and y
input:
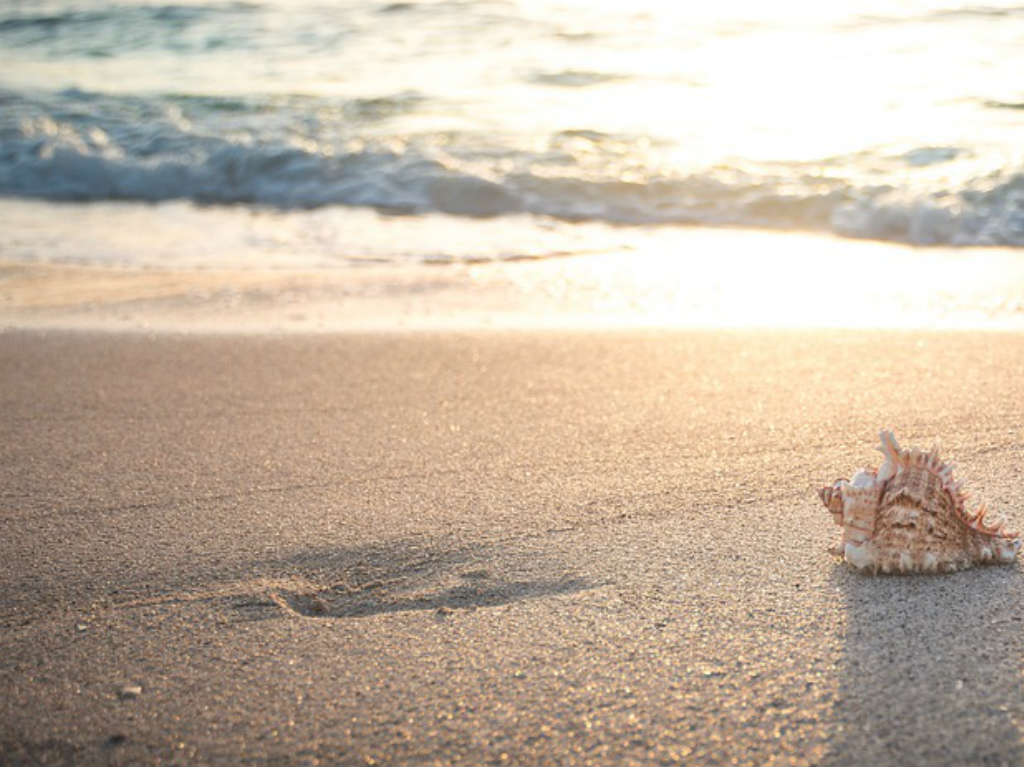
{"x": 909, "y": 516}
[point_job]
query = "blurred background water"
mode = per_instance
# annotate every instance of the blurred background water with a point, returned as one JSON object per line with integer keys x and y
{"x": 452, "y": 129}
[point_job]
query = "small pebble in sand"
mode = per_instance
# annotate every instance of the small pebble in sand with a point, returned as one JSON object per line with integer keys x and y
{"x": 130, "y": 691}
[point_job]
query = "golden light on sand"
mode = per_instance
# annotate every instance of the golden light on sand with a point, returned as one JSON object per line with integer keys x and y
{"x": 754, "y": 279}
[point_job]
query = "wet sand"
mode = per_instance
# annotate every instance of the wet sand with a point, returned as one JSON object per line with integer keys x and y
{"x": 663, "y": 278}
{"x": 493, "y": 547}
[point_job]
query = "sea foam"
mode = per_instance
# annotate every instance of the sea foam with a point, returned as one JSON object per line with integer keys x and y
{"x": 88, "y": 160}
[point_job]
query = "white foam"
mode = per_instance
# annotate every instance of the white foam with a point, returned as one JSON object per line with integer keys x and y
{"x": 74, "y": 145}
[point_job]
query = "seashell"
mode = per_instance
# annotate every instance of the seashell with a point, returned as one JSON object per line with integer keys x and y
{"x": 910, "y": 516}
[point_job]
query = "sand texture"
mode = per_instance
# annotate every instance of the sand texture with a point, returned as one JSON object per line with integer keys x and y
{"x": 493, "y": 547}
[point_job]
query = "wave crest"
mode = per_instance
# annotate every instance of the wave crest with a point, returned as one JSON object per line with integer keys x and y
{"x": 139, "y": 157}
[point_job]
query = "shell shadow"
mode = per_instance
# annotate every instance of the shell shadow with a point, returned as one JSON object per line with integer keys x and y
{"x": 930, "y": 671}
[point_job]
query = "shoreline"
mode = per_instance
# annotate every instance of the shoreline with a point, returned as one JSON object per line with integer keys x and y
{"x": 574, "y": 293}
{"x": 652, "y": 278}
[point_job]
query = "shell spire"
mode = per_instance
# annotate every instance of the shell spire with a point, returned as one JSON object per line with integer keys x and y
{"x": 910, "y": 516}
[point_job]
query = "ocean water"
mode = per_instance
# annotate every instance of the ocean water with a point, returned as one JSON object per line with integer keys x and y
{"x": 462, "y": 129}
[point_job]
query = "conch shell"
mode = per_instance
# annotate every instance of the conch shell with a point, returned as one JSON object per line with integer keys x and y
{"x": 909, "y": 516}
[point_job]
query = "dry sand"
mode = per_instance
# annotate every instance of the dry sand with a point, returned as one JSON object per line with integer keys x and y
{"x": 504, "y": 547}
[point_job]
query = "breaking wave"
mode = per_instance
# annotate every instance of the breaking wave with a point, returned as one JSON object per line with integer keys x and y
{"x": 219, "y": 150}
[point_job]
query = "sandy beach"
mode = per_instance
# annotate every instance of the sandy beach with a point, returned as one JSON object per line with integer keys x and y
{"x": 492, "y": 547}
{"x": 452, "y": 383}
